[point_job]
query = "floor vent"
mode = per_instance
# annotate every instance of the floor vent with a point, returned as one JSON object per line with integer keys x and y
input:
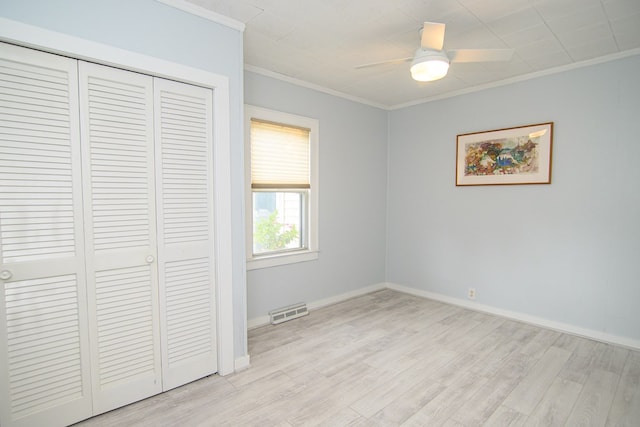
{"x": 288, "y": 313}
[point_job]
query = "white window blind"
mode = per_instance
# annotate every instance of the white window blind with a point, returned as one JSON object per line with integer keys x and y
{"x": 279, "y": 156}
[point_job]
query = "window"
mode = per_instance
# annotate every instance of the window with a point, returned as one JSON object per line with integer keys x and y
{"x": 282, "y": 193}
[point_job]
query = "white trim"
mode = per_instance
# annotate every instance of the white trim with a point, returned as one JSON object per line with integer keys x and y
{"x": 282, "y": 259}
{"x": 258, "y": 322}
{"x": 223, "y": 223}
{"x": 302, "y": 83}
{"x": 265, "y": 320}
{"x": 345, "y": 296}
{"x": 311, "y": 253}
{"x": 204, "y": 13}
{"x": 464, "y": 91}
{"x": 471, "y": 305}
{"x": 521, "y": 78}
{"x": 526, "y": 318}
{"x": 38, "y": 38}
{"x": 53, "y": 42}
{"x": 242, "y": 363}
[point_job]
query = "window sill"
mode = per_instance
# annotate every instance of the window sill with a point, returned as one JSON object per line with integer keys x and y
{"x": 281, "y": 259}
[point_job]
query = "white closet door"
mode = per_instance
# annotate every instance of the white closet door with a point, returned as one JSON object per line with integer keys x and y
{"x": 116, "y": 110}
{"x": 184, "y": 178}
{"x": 44, "y": 345}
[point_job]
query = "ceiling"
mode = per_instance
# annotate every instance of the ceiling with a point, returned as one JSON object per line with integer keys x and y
{"x": 320, "y": 42}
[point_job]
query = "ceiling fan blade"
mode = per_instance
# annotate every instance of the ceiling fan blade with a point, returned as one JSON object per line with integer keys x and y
{"x": 480, "y": 55}
{"x": 388, "y": 62}
{"x": 432, "y": 36}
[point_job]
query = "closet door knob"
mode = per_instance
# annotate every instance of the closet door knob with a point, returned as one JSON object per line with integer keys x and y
{"x": 150, "y": 259}
{"x": 5, "y": 275}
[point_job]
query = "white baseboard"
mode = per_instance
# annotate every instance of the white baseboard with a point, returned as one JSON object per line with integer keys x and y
{"x": 265, "y": 320}
{"x": 472, "y": 305}
{"x": 256, "y": 322}
{"x": 242, "y": 363}
{"x": 521, "y": 317}
{"x": 348, "y": 295}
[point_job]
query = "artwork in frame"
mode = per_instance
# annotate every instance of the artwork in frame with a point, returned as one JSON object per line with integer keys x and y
{"x": 517, "y": 155}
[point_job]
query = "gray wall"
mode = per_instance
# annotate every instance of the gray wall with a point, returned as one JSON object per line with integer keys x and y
{"x": 567, "y": 252}
{"x": 352, "y": 211}
{"x": 152, "y": 28}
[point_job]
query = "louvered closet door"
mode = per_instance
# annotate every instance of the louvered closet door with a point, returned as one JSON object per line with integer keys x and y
{"x": 117, "y": 134}
{"x": 184, "y": 159}
{"x": 44, "y": 345}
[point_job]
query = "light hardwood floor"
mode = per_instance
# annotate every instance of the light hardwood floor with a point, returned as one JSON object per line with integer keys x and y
{"x": 392, "y": 359}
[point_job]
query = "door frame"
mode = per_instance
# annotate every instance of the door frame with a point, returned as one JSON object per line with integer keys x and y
{"x": 77, "y": 48}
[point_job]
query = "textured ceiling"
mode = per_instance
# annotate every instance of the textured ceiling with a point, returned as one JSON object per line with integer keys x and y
{"x": 321, "y": 41}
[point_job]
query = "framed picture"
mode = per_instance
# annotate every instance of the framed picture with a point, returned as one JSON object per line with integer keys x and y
{"x": 518, "y": 155}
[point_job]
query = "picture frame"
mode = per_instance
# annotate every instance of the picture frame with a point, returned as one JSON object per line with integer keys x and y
{"x": 516, "y": 155}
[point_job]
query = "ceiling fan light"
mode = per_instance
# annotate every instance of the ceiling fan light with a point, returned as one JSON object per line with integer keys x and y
{"x": 429, "y": 70}
{"x": 429, "y": 66}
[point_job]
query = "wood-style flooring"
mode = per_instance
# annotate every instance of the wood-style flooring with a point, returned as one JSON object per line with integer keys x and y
{"x": 392, "y": 359}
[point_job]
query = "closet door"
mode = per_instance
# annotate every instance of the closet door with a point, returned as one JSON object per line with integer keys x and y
{"x": 184, "y": 171}
{"x": 44, "y": 345}
{"x": 116, "y": 110}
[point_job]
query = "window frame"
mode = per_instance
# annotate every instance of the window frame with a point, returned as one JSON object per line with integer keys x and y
{"x": 311, "y": 251}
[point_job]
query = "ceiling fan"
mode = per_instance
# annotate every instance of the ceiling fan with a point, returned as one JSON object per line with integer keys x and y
{"x": 431, "y": 63}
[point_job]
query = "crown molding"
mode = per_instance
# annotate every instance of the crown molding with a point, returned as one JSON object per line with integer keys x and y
{"x": 556, "y": 70}
{"x": 204, "y": 13}
{"x": 534, "y": 75}
{"x": 313, "y": 86}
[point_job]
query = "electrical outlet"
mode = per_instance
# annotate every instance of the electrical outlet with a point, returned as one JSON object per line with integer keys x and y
{"x": 472, "y": 293}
